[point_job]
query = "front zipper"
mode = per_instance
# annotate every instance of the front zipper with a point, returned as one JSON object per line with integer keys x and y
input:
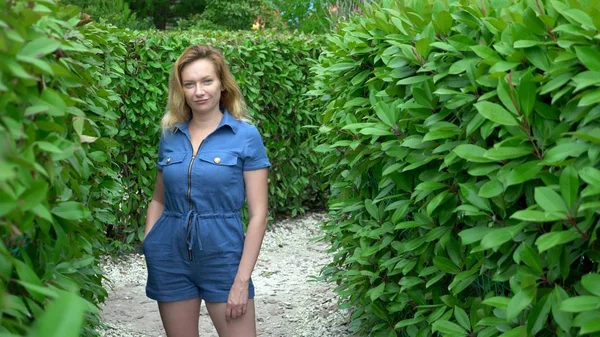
{"x": 189, "y": 195}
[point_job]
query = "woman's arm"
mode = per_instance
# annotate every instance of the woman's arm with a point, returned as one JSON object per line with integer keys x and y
{"x": 257, "y": 196}
{"x": 157, "y": 204}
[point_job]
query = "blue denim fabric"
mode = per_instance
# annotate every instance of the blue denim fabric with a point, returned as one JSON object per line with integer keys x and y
{"x": 195, "y": 247}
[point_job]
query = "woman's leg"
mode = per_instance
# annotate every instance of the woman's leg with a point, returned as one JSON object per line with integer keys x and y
{"x": 244, "y": 326}
{"x": 180, "y": 318}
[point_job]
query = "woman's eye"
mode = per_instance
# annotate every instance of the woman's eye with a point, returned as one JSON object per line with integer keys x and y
{"x": 189, "y": 85}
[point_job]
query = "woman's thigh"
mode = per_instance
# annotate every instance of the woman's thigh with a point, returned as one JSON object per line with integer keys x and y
{"x": 244, "y": 326}
{"x": 180, "y": 318}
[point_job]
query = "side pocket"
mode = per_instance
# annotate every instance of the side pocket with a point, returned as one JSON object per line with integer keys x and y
{"x": 159, "y": 241}
{"x": 153, "y": 229}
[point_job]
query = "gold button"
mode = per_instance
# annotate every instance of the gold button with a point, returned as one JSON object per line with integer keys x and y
{"x": 168, "y": 160}
{"x": 217, "y": 160}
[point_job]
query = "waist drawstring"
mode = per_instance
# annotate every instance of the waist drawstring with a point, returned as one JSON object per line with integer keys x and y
{"x": 192, "y": 230}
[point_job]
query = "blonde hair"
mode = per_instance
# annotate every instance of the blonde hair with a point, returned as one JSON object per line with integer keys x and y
{"x": 231, "y": 97}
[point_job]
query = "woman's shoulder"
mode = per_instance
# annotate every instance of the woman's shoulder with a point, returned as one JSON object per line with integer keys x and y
{"x": 247, "y": 128}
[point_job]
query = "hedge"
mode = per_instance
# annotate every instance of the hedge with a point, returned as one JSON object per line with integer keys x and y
{"x": 462, "y": 143}
{"x": 80, "y": 109}
{"x": 58, "y": 173}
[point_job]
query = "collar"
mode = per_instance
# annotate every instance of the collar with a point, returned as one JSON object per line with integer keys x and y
{"x": 226, "y": 120}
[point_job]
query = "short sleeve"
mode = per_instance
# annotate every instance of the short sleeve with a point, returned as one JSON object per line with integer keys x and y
{"x": 161, "y": 152}
{"x": 255, "y": 154}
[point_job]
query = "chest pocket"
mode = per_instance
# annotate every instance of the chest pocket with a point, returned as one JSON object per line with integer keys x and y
{"x": 171, "y": 159}
{"x": 219, "y": 169}
{"x": 219, "y": 158}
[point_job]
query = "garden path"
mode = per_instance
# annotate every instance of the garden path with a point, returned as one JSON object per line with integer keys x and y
{"x": 289, "y": 303}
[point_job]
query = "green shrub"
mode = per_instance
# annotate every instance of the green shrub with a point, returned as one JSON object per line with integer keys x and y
{"x": 114, "y": 12}
{"x": 273, "y": 71}
{"x": 461, "y": 139}
{"x": 58, "y": 174}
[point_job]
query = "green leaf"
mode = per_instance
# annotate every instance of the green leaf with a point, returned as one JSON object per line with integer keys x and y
{"x": 579, "y": 16}
{"x": 339, "y": 67}
{"x": 408, "y": 322}
{"x": 538, "y": 316}
{"x": 569, "y": 185}
{"x": 70, "y": 210}
{"x": 580, "y": 303}
{"x": 52, "y": 99}
{"x": 537, "y": 216}
{"x": 523, "y": 173}
{"x": 531, "y": 258}
{"x": 560, "y": 152}
{"x": 503, "y": 90}
{"x": 586, "y": 79}
{"x": 504, "y": 153}
{"x": 48, "y": 147}
{"x": 413, "y": 80}
{"x": 39, "y": 47}
{"x": 445, "y": 264}
{"x": 590, "y": 327}
{"x": 7, "y": 202}
{"x": 462, "y": 318}
{"x": 563, "y": 318}
{"x": 486, "y": 53}
{"x": 444, "y": 21}
{"x": 590, "y": 175}
{"x": 26, "y": 273}
{"x": 376, "y": 292}
{"x": 527, "y": 93}
{"x": 589, "y": 56}
{"x": 591, "y": 283}
{"x": 590, "y": 98}
{"x": 33, "y": 289}
{"x": 496, "y": 113}
{"x": 520, "y": 331}
{"x": 385, "y": 113}
{"x": 34, "y": 195}
{"x": 591, "y": 135}
{"x": 549, "y": 200}
{"x": 471, "y": 235}
{"x": 448, "y": 328}
{"x": 586, "y": 316}
{"x": 499, "y": 236}
{"x": 469, "y": 193}
{"x": 461, "y": 66}
{"x": 549, "y": 240}
{"x": 471, "y": 153}
{"x": 62, "y": 318}
{"x": 497, "y": 301}
{"x": 491, "y": 189}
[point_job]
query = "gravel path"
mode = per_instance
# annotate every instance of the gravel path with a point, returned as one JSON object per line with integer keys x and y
{"x": 288, "y": 302}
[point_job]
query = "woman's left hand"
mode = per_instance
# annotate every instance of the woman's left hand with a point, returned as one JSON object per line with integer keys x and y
{"x": 237, "y": 301}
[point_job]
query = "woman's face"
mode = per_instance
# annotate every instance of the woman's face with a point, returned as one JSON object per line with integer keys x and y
{"x": 201, "y": 86}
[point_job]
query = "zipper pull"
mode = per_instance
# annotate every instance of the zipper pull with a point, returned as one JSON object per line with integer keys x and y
{"x": 190, "y": 254}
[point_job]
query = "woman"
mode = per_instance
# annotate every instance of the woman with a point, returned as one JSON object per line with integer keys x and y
{"x": 210, "y": 161}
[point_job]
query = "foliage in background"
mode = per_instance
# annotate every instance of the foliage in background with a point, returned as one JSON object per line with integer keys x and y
{"x": 223, "y": 15}
{"x": 114, "y": 12}
{"x": 462, "y": 143}
{"x": 203, "y": 14}
{"x": 273, "y": 71}
{"x": 58, "y": 173}
{"x": 316, "y": 16}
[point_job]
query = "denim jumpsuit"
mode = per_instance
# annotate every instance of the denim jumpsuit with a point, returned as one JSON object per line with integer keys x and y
{"x": 194, "y": 248}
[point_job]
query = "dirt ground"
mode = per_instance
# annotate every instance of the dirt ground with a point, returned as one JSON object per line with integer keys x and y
{"x": 289, "y": 302}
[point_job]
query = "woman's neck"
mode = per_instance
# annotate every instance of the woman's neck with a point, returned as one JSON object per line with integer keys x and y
{"x": 205, "y": 121}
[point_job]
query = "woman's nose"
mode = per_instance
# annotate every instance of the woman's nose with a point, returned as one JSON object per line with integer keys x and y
{"x": 199, "y": 90}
